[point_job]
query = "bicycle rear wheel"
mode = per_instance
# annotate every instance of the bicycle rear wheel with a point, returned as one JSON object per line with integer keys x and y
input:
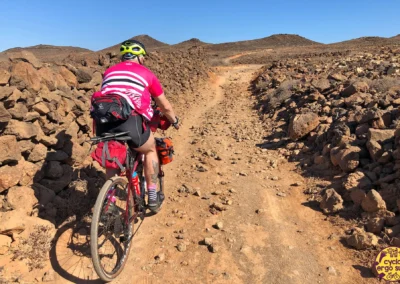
{"x": 110, "y": 235}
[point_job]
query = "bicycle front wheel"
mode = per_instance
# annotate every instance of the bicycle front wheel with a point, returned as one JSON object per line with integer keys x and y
{"x": 111, "y": 231}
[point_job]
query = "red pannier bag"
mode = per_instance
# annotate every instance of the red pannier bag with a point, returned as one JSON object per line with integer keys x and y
{"x": 165, "y": 150}
{"x": 110, "y": 154}
{"x": 159, "y": 121}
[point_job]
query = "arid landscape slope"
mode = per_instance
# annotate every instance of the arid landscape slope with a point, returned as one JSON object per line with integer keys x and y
{"x": 285, "y": 168}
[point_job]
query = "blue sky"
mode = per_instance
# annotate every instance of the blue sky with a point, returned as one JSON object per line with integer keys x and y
{"x": 99, "y": 24}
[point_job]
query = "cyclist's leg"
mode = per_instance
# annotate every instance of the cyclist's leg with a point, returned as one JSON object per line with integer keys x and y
{"x": 151, "y": 168}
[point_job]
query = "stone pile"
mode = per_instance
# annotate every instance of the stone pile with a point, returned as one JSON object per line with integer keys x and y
{"x": 45, "y": 127}
{"x": 342, "y": 113}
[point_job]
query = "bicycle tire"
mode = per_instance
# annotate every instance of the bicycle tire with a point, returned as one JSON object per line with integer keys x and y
{"x": 94, "y": 246}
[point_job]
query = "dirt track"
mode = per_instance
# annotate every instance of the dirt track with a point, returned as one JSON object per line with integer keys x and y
{"x": 285, "y": 242}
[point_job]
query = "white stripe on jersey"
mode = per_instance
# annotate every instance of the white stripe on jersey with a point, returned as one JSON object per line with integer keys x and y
{"x": 128, "y": 73}
{"x": 105, "y": 84}
{"x": 123, "y": 77}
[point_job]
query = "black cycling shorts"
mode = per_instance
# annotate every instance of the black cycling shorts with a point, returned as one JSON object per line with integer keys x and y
{"x": 134, "y": 124}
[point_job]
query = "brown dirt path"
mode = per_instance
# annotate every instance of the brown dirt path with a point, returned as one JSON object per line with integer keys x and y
{"x": 216, "y": 154}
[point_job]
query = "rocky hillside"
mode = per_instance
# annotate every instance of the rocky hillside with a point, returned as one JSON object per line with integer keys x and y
{"x": 149, "y": 42}
{"x": 369, "y": 41}
{"x": 338, "y": 116}
{"x": 273, "y": 41}
{"x": 46, "y": 52}
{"x": 190, "y": 43}
{"x": 46, "y": 174}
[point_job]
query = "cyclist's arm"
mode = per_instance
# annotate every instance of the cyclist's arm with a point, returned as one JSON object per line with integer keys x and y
{"x": 166, "y": 107}
{"x": 158, "y": 95}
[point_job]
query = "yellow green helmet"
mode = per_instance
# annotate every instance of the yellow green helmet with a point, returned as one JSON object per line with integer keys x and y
{"x": 132, "y": 48}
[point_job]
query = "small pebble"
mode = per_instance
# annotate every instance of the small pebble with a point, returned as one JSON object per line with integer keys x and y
{"x": 219, "y": 225}
{"x": 331, "y": 270}
{"x": 159, "y": 258}
{"x": 228, "y": 202}
{"x": 214, "y": 248}
{"x": 181, "y": 247}
{"x": 208, "y": 241}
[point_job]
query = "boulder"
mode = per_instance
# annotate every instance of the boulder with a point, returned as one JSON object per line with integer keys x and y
{"x": 375, "y": 225}
{"x": 348, "y": 158}
{"x": 357, "y": 196}
{"x": 58, "y": 155}
{"x": 373, "y": 202}
{"x": 302, "y": 124}
{"x": 375, "y": 150}
{"x": 362, "y": 129}
{"x": 83, "y": 75}
{"x": 24, "y": 76}
{"x": 337, "y": 77}
{"x": 22, "y": 198}
{"x": 321, "y": 84}
{"x": 19, "y": 111}
{"x": 26, "y": 146}
{"x": 31, "y": 116}
{"x": 358, "y": 86}
{"x": 59, "y": 184}
{"x": 6, "y": 92}
{"x": 38, "y": 153}
{"x": 45, "y": 194}
{"x": 319, "y": 160}
{"x": 10, "y": 176}
{"x": 361, "y": 240}
{"x": 78, "y": 154}
{"x": 357, "y": 180}
{"x": 68, "y": 76}
{"x": 4, "y": 77}
{"x": 331, "y": 201}
{"x": 47, "y": 75}
{"x": 381, "y": 136}
{"x": 54, "y": 170}
{"x": 357, "y": 99}
{"x": 5, "y": 116}
{"x": 10, "y": 151}
{"x": 25, "y": 56}
{"x": 5, "y": 242}
{"x": 48, "y": 141}
{"x": 12, "y": 222}
{"x": 17, "y": 224}
{"x": 41, "y": 108}
{"x": 20, "y": 129}
{"x": 31, "y": 173}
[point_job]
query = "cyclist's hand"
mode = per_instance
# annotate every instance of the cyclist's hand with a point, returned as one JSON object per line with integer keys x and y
{"x": 176, "y": 123}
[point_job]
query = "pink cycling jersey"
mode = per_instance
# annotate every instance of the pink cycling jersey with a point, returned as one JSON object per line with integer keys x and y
{"x": 135, "y": 83}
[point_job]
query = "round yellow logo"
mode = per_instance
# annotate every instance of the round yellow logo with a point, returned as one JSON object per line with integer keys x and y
{"x": 387, "y": 264}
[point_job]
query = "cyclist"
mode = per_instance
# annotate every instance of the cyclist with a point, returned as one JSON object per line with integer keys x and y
{"x": 137, "y": 84}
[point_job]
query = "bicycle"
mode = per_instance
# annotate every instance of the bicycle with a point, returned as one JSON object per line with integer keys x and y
{"x": 120, "y": 202}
